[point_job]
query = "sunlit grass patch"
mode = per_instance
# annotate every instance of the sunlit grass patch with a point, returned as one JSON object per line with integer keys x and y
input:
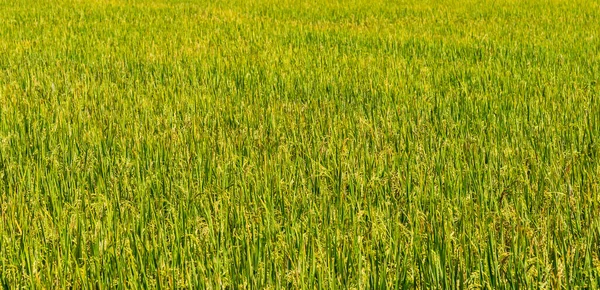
{"x": 299, "y": 144}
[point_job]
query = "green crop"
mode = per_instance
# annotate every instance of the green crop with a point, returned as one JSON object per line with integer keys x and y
{"x": 299, "y": 144}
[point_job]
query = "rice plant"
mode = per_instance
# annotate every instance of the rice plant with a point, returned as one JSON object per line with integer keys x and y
{"x": 299, "y": 144}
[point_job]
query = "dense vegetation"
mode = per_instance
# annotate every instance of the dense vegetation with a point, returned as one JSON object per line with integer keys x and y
{"x": 299, "y": 144}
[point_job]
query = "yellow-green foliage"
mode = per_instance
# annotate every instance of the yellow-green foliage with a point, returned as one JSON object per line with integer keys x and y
{"x": 299, "y": 144}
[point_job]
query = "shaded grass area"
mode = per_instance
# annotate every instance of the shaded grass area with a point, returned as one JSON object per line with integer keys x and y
{"x": 299, "y": 144}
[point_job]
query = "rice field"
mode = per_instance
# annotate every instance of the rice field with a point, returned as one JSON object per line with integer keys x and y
{"x": 299, "y": 144}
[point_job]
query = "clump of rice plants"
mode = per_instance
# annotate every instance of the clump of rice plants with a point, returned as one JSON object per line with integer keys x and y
{"x": 294, "y": 144}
